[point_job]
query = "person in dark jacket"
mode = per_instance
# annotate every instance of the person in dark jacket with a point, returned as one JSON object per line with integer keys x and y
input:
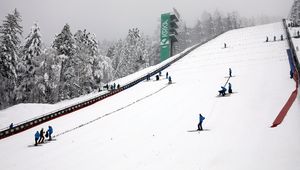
{"x": 36, "y": 137}
{"x": 201, "y": 118}
{"x": 229, "y": 88}
{"x": 42, "y": 138}
{"x": 225, "y": 45}
{"x": 267, "y": 40}
{"x": 222, "y": 91}
{"x": 50, "y": 131}
{"x": 11, "y": 126}
{"x": 291, "y": 74}
{"x": 274, "y": 38}
{"x": 170, "y": 80}
{"x": 230, "y": 72}
{"x": 167, "y": 75}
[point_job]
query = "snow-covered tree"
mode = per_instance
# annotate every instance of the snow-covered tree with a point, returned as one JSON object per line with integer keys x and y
{"x": 87, "y": 69}
{"x": 64, "y": 44}
{"x": 129, "y": 55}
{"x": 28, "y": 64}
{"x": 9, "y": 50}
{"x": 218, "y": 23}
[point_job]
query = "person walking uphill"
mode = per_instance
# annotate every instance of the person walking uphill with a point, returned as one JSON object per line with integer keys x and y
{"x": 201, "y": 118}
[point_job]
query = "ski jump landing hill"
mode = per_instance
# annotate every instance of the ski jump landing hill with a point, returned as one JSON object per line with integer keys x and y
{"x": 151, "y": 125}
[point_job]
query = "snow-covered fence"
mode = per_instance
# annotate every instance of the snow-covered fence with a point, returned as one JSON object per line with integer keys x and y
{"x": 293, "y": 51}
{"x": 20, "y": 127}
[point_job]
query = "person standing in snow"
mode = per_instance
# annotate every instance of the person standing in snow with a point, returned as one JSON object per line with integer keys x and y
{"x": 267, "y": 40}
{"x": 201, "y": 118}
{"x": 225, "y": 45}
{"x": 274, "y": 38}
{"x": 36, "y": 137}
{"x": 281, "y": 37}
{"x": 167, "y": 75}
{"x": 49, "y": 132}
{"x": 11, "y": 126}
{"x": 229, "y": 88}
{"x": 230, "y": 72}
{"x": 170, "y": 80}
{"x": 42, "y": 138}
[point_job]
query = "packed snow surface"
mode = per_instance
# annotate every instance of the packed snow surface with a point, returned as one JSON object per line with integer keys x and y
{"x": 148, "y": 126}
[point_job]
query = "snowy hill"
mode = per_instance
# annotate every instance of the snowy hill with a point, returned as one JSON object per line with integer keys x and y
{"x": 147, "y": 126}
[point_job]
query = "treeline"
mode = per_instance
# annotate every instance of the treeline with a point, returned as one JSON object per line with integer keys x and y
{"x": 72, "y": 66}
{"x": 213, "y": 24}
{"x": 77, "y": 64}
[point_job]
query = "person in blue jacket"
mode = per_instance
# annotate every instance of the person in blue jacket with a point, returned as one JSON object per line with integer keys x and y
{"x": 50, "y": 131}
{"x": 201, "y": 118}
{"x": 36, "y": 137}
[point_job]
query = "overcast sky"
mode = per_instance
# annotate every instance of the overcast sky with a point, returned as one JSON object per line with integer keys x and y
{"x": 111, "y": 19}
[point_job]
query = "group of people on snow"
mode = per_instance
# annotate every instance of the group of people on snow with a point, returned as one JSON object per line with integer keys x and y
{"x": 157, "y": 77}
{"x": 223, "y": 88}
{"x": 39, "y": 135}
{"x": 112, "y": 86}
{"x": 281, "y": 38}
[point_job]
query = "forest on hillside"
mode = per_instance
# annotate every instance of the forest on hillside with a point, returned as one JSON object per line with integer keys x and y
{"x": 76, "y": 63}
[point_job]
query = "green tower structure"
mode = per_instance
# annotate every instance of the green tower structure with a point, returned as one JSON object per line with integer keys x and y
{"x": 167, "y": 35}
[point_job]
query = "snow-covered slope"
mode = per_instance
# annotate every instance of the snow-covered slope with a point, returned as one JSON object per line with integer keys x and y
{"x": 147, "y": 126}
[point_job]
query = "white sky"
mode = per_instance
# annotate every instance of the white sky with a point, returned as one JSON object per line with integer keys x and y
{"x": 111, "y": 19}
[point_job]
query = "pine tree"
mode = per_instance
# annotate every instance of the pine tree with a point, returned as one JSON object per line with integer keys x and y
{"x": 218, "y": 23}
{"x": 9, "y": 50}
{"x": 86, "y": 53}
{"x": 28, "y": 64}
{"x": 64, "y": 44}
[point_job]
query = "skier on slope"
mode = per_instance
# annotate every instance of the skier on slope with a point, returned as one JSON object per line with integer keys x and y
{"x": 36, "y": 137}
{"x": 167, "y": 75}
{"x": 49, "y": 132}
{"x": 42, "y": 138}
{"x": 201, "y": 118}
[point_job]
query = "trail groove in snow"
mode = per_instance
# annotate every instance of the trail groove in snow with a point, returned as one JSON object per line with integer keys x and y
{"x": 110, "y": 113}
